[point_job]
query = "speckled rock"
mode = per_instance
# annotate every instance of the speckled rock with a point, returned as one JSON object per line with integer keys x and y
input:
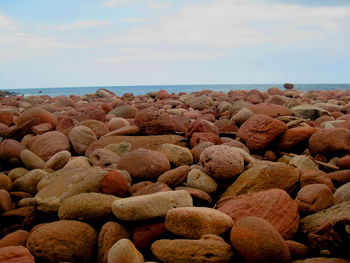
{"x": 263, "y": 176}
{"x": 295, "y": 137}
{"x": 304, "y": 162}
{"x": 177, "y": 155}
{"x": 124, "y": 251}
{"x": 314, "y": 198}
{"x": 193, "y": 222}
{"x": 273, "y": 205}
{"x": 257, "y": 241}
{"x": 260, "y": 131}
{"x": 31, "y": 160}
{"x": 46, "y": 145}
{"x": 150, "y": 206}
{"x": 58, "y": 160}
{"x": 175, "y": 177}
{"x": 209, "y": 249}
{"x": 65, "y": 240}
{"x": 16, "y": 254}
{"x": 222, "y": 162}
{"x": 16, "y": 238}
{"x": 330, "y": 140}
{"x": 201, "y": 137}
{"x": 198, "y": 179}
{"x": 81, "y": 137}
{"x": 342, "y": 194}
{"x": 28, "y": 182}
{"x": 90, "y": 207}
{"x": 110, "y": 233}
{"x": 150, "y": 164}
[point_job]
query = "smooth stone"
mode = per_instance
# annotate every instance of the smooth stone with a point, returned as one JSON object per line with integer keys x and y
{"x": 31, "y": 160}
{"x": 17, "y": 173}
{"x": 28, "y": 182}
{"x": 309, "y": 111}
{"x": 257, "y": 241}
{"x": 303, "y": 162}
{"x": 242, "y": 115}
{"x": 98, "y": 127}
{"x": 297, "y": 250}
{"x": 5, "y": 182}
{"x": 323, "y": 260}
{"x": 222, "y": 162}
{"x": 124, "y": 251}
{"x": 58, "y": 160}
{"x": 146, "y": 234}
{"x": 175, "y": 177}
{"x": 16, "y": 238}
{"x": 119, "y": 148}
{"x": 209, "y": 249}
{"x": 63, "y": 241}
{"x": 17, "y": 218}
{"x": 193, "y": 222}
{"x": 329, "y": 140}
{"x": 16, "y": 254}
{"x": 5, "y": 201}
{"x": 78, "y": 161}
{"x": 103, "y": 157}
{"x": 90, "y": 207}
{"x": 294, "y": 137}
{"x": 29, "y": 201}
{"x": 127, "y": 130}
{"x": 115, "y": 183}
{"x": 197, "y": 194}
{"x": 198, "y": 179}
{"x": 198, "y": 149}
{"x": 117, "y": 123}
{"x": 151, "y": 189}
{"x": 176, "y": 154}
{"x": 342, "y": 194}
{"x": 110, "y": 233}
{"x": 81, "y": 137}
{"x": 150, "y": 206}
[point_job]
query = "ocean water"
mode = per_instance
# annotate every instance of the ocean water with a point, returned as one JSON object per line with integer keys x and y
{"x": 139, "y": 90}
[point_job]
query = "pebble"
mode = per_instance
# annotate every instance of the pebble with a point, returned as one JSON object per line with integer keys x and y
{"x": 31, "y": 160}
{"x": 342, "y": 194}
{"x": 16, "y": 254}
{"x": 177, "y": 155}
{"x": 124, "y": 251}
{"x": 198, "y": 179}
{"x": 5, "y": 182}
{"x": 81, "y": 137}
{"x": 58, "y": 160}
{"x": 5, "y": 201}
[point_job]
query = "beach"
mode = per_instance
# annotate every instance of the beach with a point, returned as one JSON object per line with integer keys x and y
{"x": 240, "y": 175}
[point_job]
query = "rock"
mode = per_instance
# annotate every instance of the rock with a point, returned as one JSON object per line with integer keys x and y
{"x": 114, "y": 183}
{"x": 98, "y": 127}
{"x": 314, "y": 198}
{"x": 254, "y": 96}
{"x": 103, "y": 157}
{"x": 193, "y": 222}
{"x": 81, "y": 137}
{"x": 196, "y": 193}
{"x": 256, "y": 240}
{"x": 90, "y": 207}
{"x": 260, "y": 131}
{"x": 119, "y": 148}
{"x": 304, "y": 162}
{"x": 46, "y": 145}
{"x": 16, "y": 238}
{"x": 150, "y": 164}
{"x": 29, "y": 201}
{"x": 342, "y": 194}
{"x": 222, "y": 162}
{"x": 18, "y": 218}
{"x": 124, "y": 111}
{"x": 344, "y": 162}
{"x": 175, "y": 177}
{"x": 110, "y": 233}
{"x": 295, "y": 137}
{"x": 16, "y": 254}
{"x": 323, "y": 260}
{"x": 146, "y": 234}
{"x": 242, "y": 116}
{"x": 309, "y": 111}
{"x": 198, "y": 149}
{"x": 31, "y": 160}
{"x": 340, "y": 177}
{"x": 209, "y": 248}
{"x": 28, "y": 182}
{"x": 10, "y": 150}
{"x": 69, "y": 181}
{"x": 201, "y": 126}
{"x": 263, "y": 176}
{"x": 273, "y": 205}
{"x": 198, "y": 179}
{"x": 297, "y": 250}
{"x": 201, "y": 137}
{"x": 58, "y": 160}
{"x": 177, "y": 155}
{"x": 154, "y": 122}
{"x": 327, "y": 230}
{"x": 150, "y": 206}
{"x": 124, "y": 251}
{"x": 5, "y": 201}
{"x": 117, "y": 123}
{"x": 314, "y": 176}
{"x": 127, "y": 130}
{"x": 201, "y": 103}
{"x": 272, "y": 110}
{"x": 329, "y": 140}
{"x": 5, "y": 183}
{"x": 17, "y": 196}
{"x": 152, "y": 188}
{"x": 288, "y": 86}
{"x": 65, "y": 240}
{"x": 138, "y": 186}
{"x": 226, "y": 126}
{"x": 17, "y": 173}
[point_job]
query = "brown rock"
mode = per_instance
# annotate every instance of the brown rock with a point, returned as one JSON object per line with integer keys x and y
{"x": 201, "y": 126}
{"x": 5, "y": 201}
{"x": 150, "y": 164}
{"x": 117, "y": 123}
{"x": 31, "y": 160}
{"x": 10, "y": 149}
{"x": 5, "y": 182}
{"x": 197, "y": 194}
{"x": 16, "y": 238}
{"x": 297, "y": 250}
{"x": 273, "y": 205}
{"x": 314, "y": 198}
{"x": 175, "y": 177}
{"x": 81, "y": 137}
{"x": 344, "y": 162}
{"x": 58, "y": 160}
{"x": 124, "y": 111}
{"x": 103, "y": 157}
{"x": 17, "y": 196}
{"x": 114, "y": 183}
{"x": 295, "y": 137}
{"x": 15, "y": 219}
{"x": 110, "y": 233}
{"x": 65, "y": 123}
{"x": 315, "y": 176}
{"x": 272, "y": 110}
{"x": 152, "y": 188}
{"x": 124, "y": 251}
{"x": 226, "y": 125}
{"x": 138, "y": 186}
{"x": 288, "y": 86}
{"x": 65, "y": 240}
{"x": 342, "y": 194}
{"x": 146, "y": 234}
{"x": 260, "y": 131}
{"x": 154, "y": 122}
{"x": 16, "y": 254}
{"x": 98, "y": 127}
{"x": 254, "y": 96}
{"x": 340, "y": 177}
{"x": 198, "y": 149}
{"x": 200, "y": 137}
{"x": 257, "y": 241}
{"x": 176, "y": 154}
{"x": 28, "y": 182}
{"x": 46, "y": 145}
{"x": 323, "y": 260}
{"x": 209, "y": 248}
{"x": 330, "y": 140}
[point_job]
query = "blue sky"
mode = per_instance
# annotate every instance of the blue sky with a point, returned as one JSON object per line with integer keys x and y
{"x": 57, "y": 43}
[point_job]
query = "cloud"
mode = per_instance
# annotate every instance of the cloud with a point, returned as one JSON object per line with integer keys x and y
{"x": 79, "y": 25}
{"x": 153, "y": 4}
{"x": 134, "y": 19}
{"x": 6, "y": 23}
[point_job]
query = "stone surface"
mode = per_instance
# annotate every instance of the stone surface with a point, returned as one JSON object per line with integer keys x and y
{"x": 323, "y": 260}
{"x": 98, "y": 127}
{"x": 193, "y": 222}
{"x": 81, "y": 137}
{"x": 114, "y": 183}
{"x": 314, "y": 176}
{"x": 295, "y": 137}
{"x": 222, "y": 162}
{"x": 342, "y": 194}
{"x": 257, "y": 241}
{"x": 197, "y": 194}
{"x": 124, "y": 251}
{"x": 209, "y": 249}
{"x": 263, "y": 176}
{"x": 297, "y": 250}
{"x": 154, "y": 122}
{"x": 58, "y": 160}
{"x": 16, "y": 254}
{"x": 201, "y": 137}
{"x": 150, "y": 164}
{"x": 308, "y": 111}
{"x": 272, "y": 110}
{"x": 16, "y": 238}
{"x": 146, "y": 234}
{"x": 344, "y": 162}
{"x": 5, "y": 183}
{"x": 28, "y": 182}
{"x": 176, "y": 154}
{"x": 273, "y": 205}
{"x": 330, "y": 140}
{"x": 17, "y": 173}
{"x": 124, "y": 111}
{"x": 198, "y": 179}
{"x": 304, "y": 162}
{"x": 31, "y": 160}
{"x": 198, "y": 149}
{"x": 119, "y": 148}
{"x": 10, "y": 150}
{"x": 175, "y": 177}
{"x": 260, "y": 131}
{"x": 150, "y": 206}
{"x": 5, "y": 201}
{"x": 340, "y": 177}
{"x": 103, "y": 157}
{"x": 17, "y": 218}
{"x": 151, "y": 189}
{"x": 63, "y": 241}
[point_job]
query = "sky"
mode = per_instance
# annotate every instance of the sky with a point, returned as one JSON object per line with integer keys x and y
{"x": 66, "y": 43}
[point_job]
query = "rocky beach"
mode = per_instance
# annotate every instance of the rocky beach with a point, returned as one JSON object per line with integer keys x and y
{"x": 245, "y": 176}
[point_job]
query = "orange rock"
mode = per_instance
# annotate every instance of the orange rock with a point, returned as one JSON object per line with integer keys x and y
{"x": 330, "y": 140}
{"x": 294, "y": 137}
{"x": 114, "y": 183}
{"x": 16, "y": 238}
{"x": 315, "y": 176}
{"x": 272, "y": 110}
{"x": 10, "y": 149}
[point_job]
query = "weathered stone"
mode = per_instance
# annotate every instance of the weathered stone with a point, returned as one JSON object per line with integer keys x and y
{"x": 16, "y": 238}
{"x": 154, "y": 122}
{"x": 152, "y": 188}
{"x": 5, "y": 201}
{"x": 295, "y": 137}
{"x": 272, "y": 110}
{"x": 16, "y": 173}
{"x": 5, "y": 183}
{"x": 175, "y": 177}
{"x": 304, "y": 162}
{"x": 342, "y": 194}
{"x": 124, "y": 111}
{"x": 309, "y": 111}
{"x": 314, "y": 176}
{"x": 124, "y": 251}
{"x": 81, "y": 137}
{"x": 114, "y": 183}
{"x": 177, "y": 155}
{"x": 103, "y": 157}
{"x": 98, "y": 127}
{"x": 330, "y": 140}
{"x": 198, "y": 179}
{"x": 146, "y": 234}
{"x": 58, "y": 160}
{"x": 119, "y": 148}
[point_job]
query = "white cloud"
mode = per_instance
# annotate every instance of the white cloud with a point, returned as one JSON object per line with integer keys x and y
{"x": 79, "y": 25}
{"x": 153, "y": 4}
{"x": 6, "y": 23}
{"x": 134, "y": 19}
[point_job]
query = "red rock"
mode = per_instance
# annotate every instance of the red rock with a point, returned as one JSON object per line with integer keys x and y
{"x": 226, "y": 125}
{"x": 254, "y": 96}
{"x": 154, "y": 122}
{"x": 114, "y": 183}
{"x": 322, "y": 119}
{"x": 42, "y": 128}
{"x": 138, "y": 186}
{"x": 260, "y": 131}
{"x": 273, "y": 205}
{"x": 201, "y": 137}
{"x": 81, "y": 137}
{"x": 6, "y": 117}
{"x": 117, "y": 123}
{"x": 275, "y": 91}
{"x": 294, "y": 137}
{"x": 201, "y": 126}
{"x": 340, "y": 177}
{"x": 297, "y": 250}
{"x": 98, "y": 127}
{"x": 175, "y": 177}
{"x": 4, "y": 130}
{"x": 152, "y": 188}
{"x": 46, "y": 145}
{"x": 65, "y": 123}
{"x": 315, "y": 176}
{"x": 344, "y": 162}
{"x": 163, "y": 94}
{"x": 10, "y": 149}
{"x": 145, "y": 235}
{"x": 272, "y": 110}
{"x": 16, "y": 254}
{"x": 198, "y": 149}
{"x": 197, "y": 194}
{"x": 16, "y": 238}
{"x": 124, "y": 111}
{"x": 330, "y": 140}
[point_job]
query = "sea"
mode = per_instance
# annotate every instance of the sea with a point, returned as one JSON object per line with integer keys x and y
{"x": 140, "y": 90}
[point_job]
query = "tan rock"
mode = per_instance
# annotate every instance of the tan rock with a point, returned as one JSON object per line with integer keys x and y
{"x": 98, "y": 127}
{"x": 16, "y": 238}
{"x": 103, "y": 157}
{"x": 124, "y": 251}
{"x": 175, "y": 176}
{"x": 17, "y": 172}
{"x": 81, "y": 137}
{"x": 176, "y": 154}
{"x": 304, "y": 162}
{"x": 314, "y": 198}
{"x": 5, "y": 182}
{"x": 198, "y": 179}
{"x": 58, "y": 160}
{"x": 28, "y": 182}
{"x": 342, "y": 194}
{"x": 31, "y": 160}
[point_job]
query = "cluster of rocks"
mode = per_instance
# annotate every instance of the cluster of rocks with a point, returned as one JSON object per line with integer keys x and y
{"x": 244, "y": 176}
